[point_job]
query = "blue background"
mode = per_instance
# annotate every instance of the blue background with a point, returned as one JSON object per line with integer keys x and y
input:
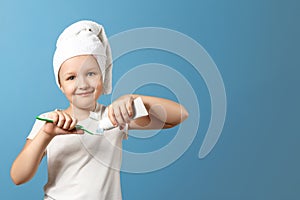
{"x": 255, "y": 45}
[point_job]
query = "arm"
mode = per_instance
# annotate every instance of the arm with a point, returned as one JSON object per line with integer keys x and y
{"x": 163, "y": 113}
{"x": 27, "y": 162}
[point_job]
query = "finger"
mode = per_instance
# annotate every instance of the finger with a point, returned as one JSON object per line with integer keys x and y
{"x": 73, "y": 124}
{"x": 61, "y": 119}
{"x": 129, "y": 108}
{"x": 111, "y": 115}
{"x": 65, "y": 132}
{"x": 118, "y": 116}
{"x": 54, "y": 117}
{"x": 68, "y": 121}
{"x": 76, "y": 131}
{"x": 49, "y": 128}
{"x": 125, "y": 114}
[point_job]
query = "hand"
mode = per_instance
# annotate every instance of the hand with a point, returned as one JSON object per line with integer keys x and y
{"x": 120, "y": 111}
{"x": 63, "y": 123}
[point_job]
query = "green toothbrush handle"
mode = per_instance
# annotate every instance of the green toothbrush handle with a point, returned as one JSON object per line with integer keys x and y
{"x": 44, "y": 119}
{"x": 51, "y": 121}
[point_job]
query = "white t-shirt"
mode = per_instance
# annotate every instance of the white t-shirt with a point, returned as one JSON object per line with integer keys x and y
{"x": 84, "y": 167}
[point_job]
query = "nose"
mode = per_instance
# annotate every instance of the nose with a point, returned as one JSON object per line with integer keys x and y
{"x": 82, "y": 83}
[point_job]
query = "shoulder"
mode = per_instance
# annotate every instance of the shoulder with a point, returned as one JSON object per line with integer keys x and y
{"x": 38, "y": 124}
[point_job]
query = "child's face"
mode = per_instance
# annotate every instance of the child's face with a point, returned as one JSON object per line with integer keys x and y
{"x": 81, "y": 81}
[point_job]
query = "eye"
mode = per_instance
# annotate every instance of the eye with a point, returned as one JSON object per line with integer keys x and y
{"x": 91, "y": 73}
{"x": 71, "y": 78}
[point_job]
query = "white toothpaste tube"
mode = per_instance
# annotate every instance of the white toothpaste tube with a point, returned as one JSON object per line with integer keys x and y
{"x": 139, "y": 110}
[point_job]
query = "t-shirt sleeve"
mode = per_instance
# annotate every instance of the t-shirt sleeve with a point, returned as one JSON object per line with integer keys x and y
{"x": 38, "y": 124}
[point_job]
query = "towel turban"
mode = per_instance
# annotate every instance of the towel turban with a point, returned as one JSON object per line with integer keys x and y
{"x": 85, "y": 38}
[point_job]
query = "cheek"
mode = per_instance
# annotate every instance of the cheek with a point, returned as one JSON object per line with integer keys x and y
{"x": 98, "y": 87}
{"x": 96, "y": 83}
{"x": 68, "y": 89}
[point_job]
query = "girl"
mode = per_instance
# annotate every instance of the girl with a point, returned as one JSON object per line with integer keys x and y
{"x": 83, "y": 166}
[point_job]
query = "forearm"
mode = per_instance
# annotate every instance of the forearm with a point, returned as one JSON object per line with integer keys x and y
{"x": 166, "y": 111}
{"x": 26, "y": 164}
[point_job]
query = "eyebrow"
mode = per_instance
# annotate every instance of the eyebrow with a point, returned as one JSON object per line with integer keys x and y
{"x": 90, "y": 68}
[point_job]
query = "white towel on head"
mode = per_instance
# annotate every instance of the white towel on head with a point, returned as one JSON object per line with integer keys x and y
{"x": 85, "y": 38}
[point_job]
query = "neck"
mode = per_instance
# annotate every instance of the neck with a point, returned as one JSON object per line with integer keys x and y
{"x": 80, "y": 113}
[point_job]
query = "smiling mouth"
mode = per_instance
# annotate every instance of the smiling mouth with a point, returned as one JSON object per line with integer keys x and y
{"x": 84, "y": 94}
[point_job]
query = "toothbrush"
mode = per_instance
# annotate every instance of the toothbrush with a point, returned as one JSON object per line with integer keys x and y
{"x": 77, "y": 126}
{"x": 105, "y": 124}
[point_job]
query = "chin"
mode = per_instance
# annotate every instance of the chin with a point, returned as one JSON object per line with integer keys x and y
{"x": 84, "y": 103}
